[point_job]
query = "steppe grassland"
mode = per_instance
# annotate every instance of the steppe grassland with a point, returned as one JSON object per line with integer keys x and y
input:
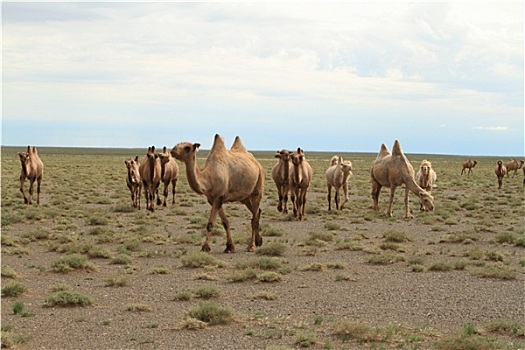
{"x": 85, "y": 228}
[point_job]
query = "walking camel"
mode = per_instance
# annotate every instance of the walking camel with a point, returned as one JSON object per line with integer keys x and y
{"x": 392, "y": 170}
{"x": 32, "y": 170}
{"x": 281, "y": 176}
{"x": 513, "y": 165}
{"x": 228, "y": 176}
{"x": 300, "y": 179}
{"x": 133, "y": 180}
{"x": 169, "y": 173}
{"x": 500, "y": 172}
{"x": 337, "y": 176}
{"x": 468, "y": 164}
{"x": 150, "y": 170}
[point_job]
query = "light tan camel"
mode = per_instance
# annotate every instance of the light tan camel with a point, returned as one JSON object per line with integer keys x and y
{"x": 150, "y": 170}
{"x": 513, "y": 165}
{"x": 392, "y": 170}
{"x": 169, "y": 173}
{"x": 500, "y": 172}
{"x": 468, "y": 164}
{"x": 300, "y": 178}
{"x": 32, "y": 170}
{"x": 133, "y": 180}
{"x": 337, "y": 176}
{"x": 426, "y": 176}
{"x": 228, "y": 176}
{"x": 281, "y": 176}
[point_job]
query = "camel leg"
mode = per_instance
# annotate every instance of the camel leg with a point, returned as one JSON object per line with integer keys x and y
{"x": 39, "y": 181}
{"x": 345, "y": 192}
{"x": 165, "y": 193}
{"x": 22, "y": 189}
{"x": 407, "y": 209}
{"x": 392, "y": 190}
{"x": 285, "y": 200}
{"x": 31, "y": 183}
{"x": 173, "y": 190}
{"x": 139, "y": 188}
{"x": 329, "y": 197}
{"x": 294, "y": 204}
{"x": 256, "y": 239}
{"x": 216, "y": 207}
{"x": 376, "y": 190}
{"x": 336, "y": 197}
{"x": 280, "y": 204}
{"x": 230, "y": 248}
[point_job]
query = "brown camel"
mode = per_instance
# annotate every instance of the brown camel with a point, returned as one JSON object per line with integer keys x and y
{"x": 468, "y": 164}
{"x": 337, "y": 176}
{"x": 169, "y": 173}
{"x": 500, "y": 172}
{"x": 133, "y": 180}
{"x": 513, "y": 165}
{"x": 393, "y": 170}
{"x": 281, "y": 176}
{"x": 300, "y": 178}
{"x": 426, "y": 176}
{"x": 150, "y": 170}
{"x": 33, "y": 170}
{"x": 228, "y": 176}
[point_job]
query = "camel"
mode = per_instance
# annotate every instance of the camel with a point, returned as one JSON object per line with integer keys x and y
{"x": 392, "y": 170}
{"x": 169, "y": 173}
{"x": 426, "y": 176}
{"x": 468, "y": 164}
{"x": 228, "y": 176}
{"x": 513, "y": 165}
{"x": 337, "y": 176}
{"x": 150, "y": 171}
{"x": 300, "y": 178}
{"x": 500, "y": 171}
{"x": 33, "y": 170}
{"x": 281, "y": 176}
{"x": 133, "y": 180}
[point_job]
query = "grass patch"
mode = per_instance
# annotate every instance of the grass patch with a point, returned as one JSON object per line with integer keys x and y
{"x": 395, "y": 236}
{"x": 272, "y": 249}
{"x": 67, "y": 298}
{"x": 262, "y": 263}
{"x": 13, "y": 289}
{"x": 73, "y": 262}
{"x": 8, "y": 272}
{"x": 201, "y": 259}
{"x": 385, "y": 259}
{"x": 205, "y": 292}
{"x": 211, "y": 313}
{"x": 138, "y": 307}
{"x": 497, "y": 271}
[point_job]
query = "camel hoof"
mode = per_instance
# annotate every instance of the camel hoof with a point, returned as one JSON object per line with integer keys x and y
{"x": 205, "y": 248}
{"x": 230, "y": 248}
{"x": 279, "y": 208}
{"x": 251, "y": 248}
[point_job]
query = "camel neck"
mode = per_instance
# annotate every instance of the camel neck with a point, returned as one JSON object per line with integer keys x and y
{"x": 193, "y": 173}
{"x": 411, "y": 184}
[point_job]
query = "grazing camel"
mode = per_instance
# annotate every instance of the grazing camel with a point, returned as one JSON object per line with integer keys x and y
{"x": 300, "y": 178}
{"x": 150, "y": 170}
{"x": 169, "y": 173}
{"x": 392, "y": 170}
{"x": 513, "y": 165}
{"x": 33, "y": 170}
{"x": 337, "y": 176}
{"x": 468, "y": 164}
{"x": 133, "y": 180}
{"x": 500, "y": 171}
{"x": 228, "y": 176}
{"x": 281, "y": 176}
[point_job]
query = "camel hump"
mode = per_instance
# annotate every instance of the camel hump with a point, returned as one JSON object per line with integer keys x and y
{"x": 383, "y": 152}
{"x": 237, "y": 145}
{"x": 218, "y": 143}
{"x": 164, "y": 149}
{"x": 396, "y": 149}
{"x": 35, "y": 151}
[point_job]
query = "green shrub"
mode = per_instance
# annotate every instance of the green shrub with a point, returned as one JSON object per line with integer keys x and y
{"x": 211, "y": 313}
{"x": 13, "y": 289}
{"x": 67, "y": 298}
{"x": 272, "y": 249}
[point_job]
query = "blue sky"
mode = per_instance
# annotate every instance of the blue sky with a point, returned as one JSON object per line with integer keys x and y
{"x": 443, "y": 78}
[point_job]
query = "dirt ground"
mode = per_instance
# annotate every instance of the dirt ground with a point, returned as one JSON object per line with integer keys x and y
{"x": 336, "y": 267}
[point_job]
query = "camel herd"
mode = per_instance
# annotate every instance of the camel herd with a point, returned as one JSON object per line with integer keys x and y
{"x": 234, "y": 175}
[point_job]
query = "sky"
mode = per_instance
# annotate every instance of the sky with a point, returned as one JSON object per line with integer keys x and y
{"x": 442, "y": 78}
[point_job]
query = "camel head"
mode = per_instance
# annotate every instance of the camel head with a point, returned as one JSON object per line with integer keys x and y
{"x": 297, "y": 157}
{"x": 346, "y": 166}
{"x": 474, "y": 163}
{"x": 427, "y": 200}
{"x": 284, "y": 154}
{"x": 500, "y": 163}
{"x": 185, "y": 151}
{"x": 425, "y": 167}
{"x": 164, "y": 156}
